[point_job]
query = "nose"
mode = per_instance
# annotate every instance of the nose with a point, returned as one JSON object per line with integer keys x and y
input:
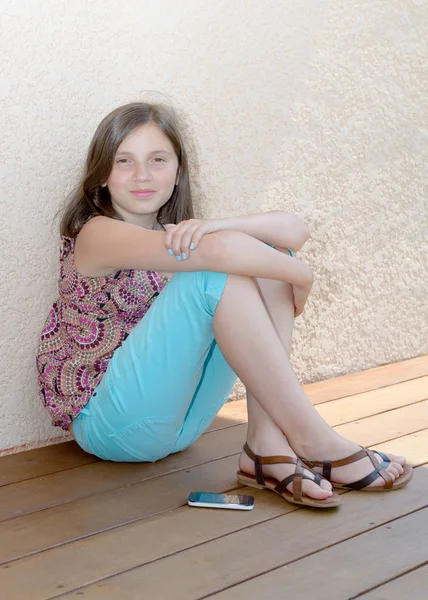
{"x": 142, "y": 173}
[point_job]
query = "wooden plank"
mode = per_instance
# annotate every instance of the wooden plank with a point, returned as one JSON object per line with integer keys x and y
{"x": 59, "y": 488}
{"x": 50, "y": 527}
{"x": 370, "y": 379}
{"x": 358, "y": 564}
{"x": 71, "y": 565}
{"x": 232, "y": 413}
{"x": 344, "y": 409}
{"x": 378, "y": 401}
{"x": 387, "y": 426}
{"x": 413, "y": 446}
{"x": 234, "y": 558}
{"x": 413, "y": 585}
{"x": 39, "y": 462}
{"x": 93, "y": 558}
{"x": 51, "y": 490}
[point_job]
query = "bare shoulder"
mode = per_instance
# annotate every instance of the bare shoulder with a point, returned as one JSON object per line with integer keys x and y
{"x": 97, "y": 226}
{"x": 105, "y": 245}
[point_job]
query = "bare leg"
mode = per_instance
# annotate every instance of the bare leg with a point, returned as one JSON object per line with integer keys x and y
{"x": 250, "y": 344}
{"x": 265, "y": 437}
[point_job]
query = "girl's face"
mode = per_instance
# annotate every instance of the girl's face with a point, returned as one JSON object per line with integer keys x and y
{"x": 144, "y": 173}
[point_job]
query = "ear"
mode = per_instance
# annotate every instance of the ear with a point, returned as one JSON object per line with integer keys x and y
{"x": 103, "y": 185}
{"x": 177, "y": 179}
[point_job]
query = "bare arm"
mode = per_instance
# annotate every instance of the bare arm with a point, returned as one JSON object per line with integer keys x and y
{"x": 107, "y": 244}
{"x": 278, "y": 227}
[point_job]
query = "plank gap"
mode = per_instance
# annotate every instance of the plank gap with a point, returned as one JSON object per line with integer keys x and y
{"x": 389, "y": 580}
{"x": 382, "y": 412}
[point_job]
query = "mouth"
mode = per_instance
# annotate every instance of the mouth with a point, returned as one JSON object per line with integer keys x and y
{"x": 142, "y": 193}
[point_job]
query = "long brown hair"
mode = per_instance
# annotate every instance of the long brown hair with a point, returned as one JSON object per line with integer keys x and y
{"x": 90, "y": 199}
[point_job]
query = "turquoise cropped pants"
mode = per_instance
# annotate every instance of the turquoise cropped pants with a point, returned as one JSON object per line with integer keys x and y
{"x": 166, "y": 383}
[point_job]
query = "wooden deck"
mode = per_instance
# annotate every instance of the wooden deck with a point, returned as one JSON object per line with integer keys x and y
{"x": 75, "y": 527}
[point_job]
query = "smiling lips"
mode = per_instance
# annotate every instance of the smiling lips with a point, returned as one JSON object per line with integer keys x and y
{"x": 142, "y": 193}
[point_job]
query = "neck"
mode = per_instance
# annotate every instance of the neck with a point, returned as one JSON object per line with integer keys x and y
{"x": 146, "y": 221}
{"x": 156, "y": 226}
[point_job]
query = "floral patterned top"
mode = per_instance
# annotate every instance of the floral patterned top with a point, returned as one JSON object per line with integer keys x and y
{"x": 91, "y": 318}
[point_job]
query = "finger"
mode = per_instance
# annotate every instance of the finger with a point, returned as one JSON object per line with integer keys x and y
{"x": 185, "y": 235}
{"x": 187, "y": 239}
{"x": 196, "y": 237}
{"x": 168, "y": 238}
{"x": 176, "y": 244}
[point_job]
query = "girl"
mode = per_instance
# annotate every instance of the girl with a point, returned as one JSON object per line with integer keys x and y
{"x": 158, "y": 313}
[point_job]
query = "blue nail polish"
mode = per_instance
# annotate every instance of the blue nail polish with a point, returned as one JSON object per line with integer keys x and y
{"x": 178, "y": 257}
{"x": 171, "y": 252}
{"x": 192, "y": 246}
{"x": 184, "y": 255}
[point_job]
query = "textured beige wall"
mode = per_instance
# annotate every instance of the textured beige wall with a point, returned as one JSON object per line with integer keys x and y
{"x": 317, "y": 107}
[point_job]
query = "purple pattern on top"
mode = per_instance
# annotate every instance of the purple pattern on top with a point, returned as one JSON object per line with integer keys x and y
{"x": 91, "y": 318}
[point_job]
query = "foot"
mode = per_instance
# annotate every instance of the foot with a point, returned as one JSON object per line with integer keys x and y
{"x": 280, "y": 447}
{"x": 335, "y": 447}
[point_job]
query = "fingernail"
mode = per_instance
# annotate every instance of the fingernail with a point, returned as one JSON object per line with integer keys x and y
{"x": 171, "y": 252}
{"x": 178, "y": 257}
{"x": 192, "y": 246}
{"x": 184, "y": 255}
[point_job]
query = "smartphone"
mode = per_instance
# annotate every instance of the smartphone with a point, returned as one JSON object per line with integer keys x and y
{"x": 209, "y": 500}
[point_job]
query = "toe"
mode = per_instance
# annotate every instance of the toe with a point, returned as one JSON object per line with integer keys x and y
{"x": 401, "y": 460}
{"x": 395, "y": 468}
{"x": 326, "y": 485}
{"x": 393, "y": 471}
{"x": 399, "y": 467}
{"x": 313, "y": 490}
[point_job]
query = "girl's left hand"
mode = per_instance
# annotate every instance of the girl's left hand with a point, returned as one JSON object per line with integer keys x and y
{"x": 185, "y": 236}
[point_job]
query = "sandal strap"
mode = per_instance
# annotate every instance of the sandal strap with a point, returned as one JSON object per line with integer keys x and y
{"x": 337, "y": 463}
{"x": 379, "y": 471}
{"x": 326, "y": 469}
{"x": 296, "y": 479}
{"x": 258, "y": 469}
{"x": 327, "y": 465}
{"x": 270, "y": 460}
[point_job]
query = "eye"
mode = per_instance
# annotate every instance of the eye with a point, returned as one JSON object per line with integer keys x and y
{"x": 159, "y": 160}
{"x": 123, "y": 160}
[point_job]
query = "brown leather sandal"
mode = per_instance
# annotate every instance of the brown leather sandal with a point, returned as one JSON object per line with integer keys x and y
{"x": 260, "y": 482}
{"x": 379, "y": 471}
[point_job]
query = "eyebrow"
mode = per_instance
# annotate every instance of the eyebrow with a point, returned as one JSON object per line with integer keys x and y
{"x": 153, "y": 152}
